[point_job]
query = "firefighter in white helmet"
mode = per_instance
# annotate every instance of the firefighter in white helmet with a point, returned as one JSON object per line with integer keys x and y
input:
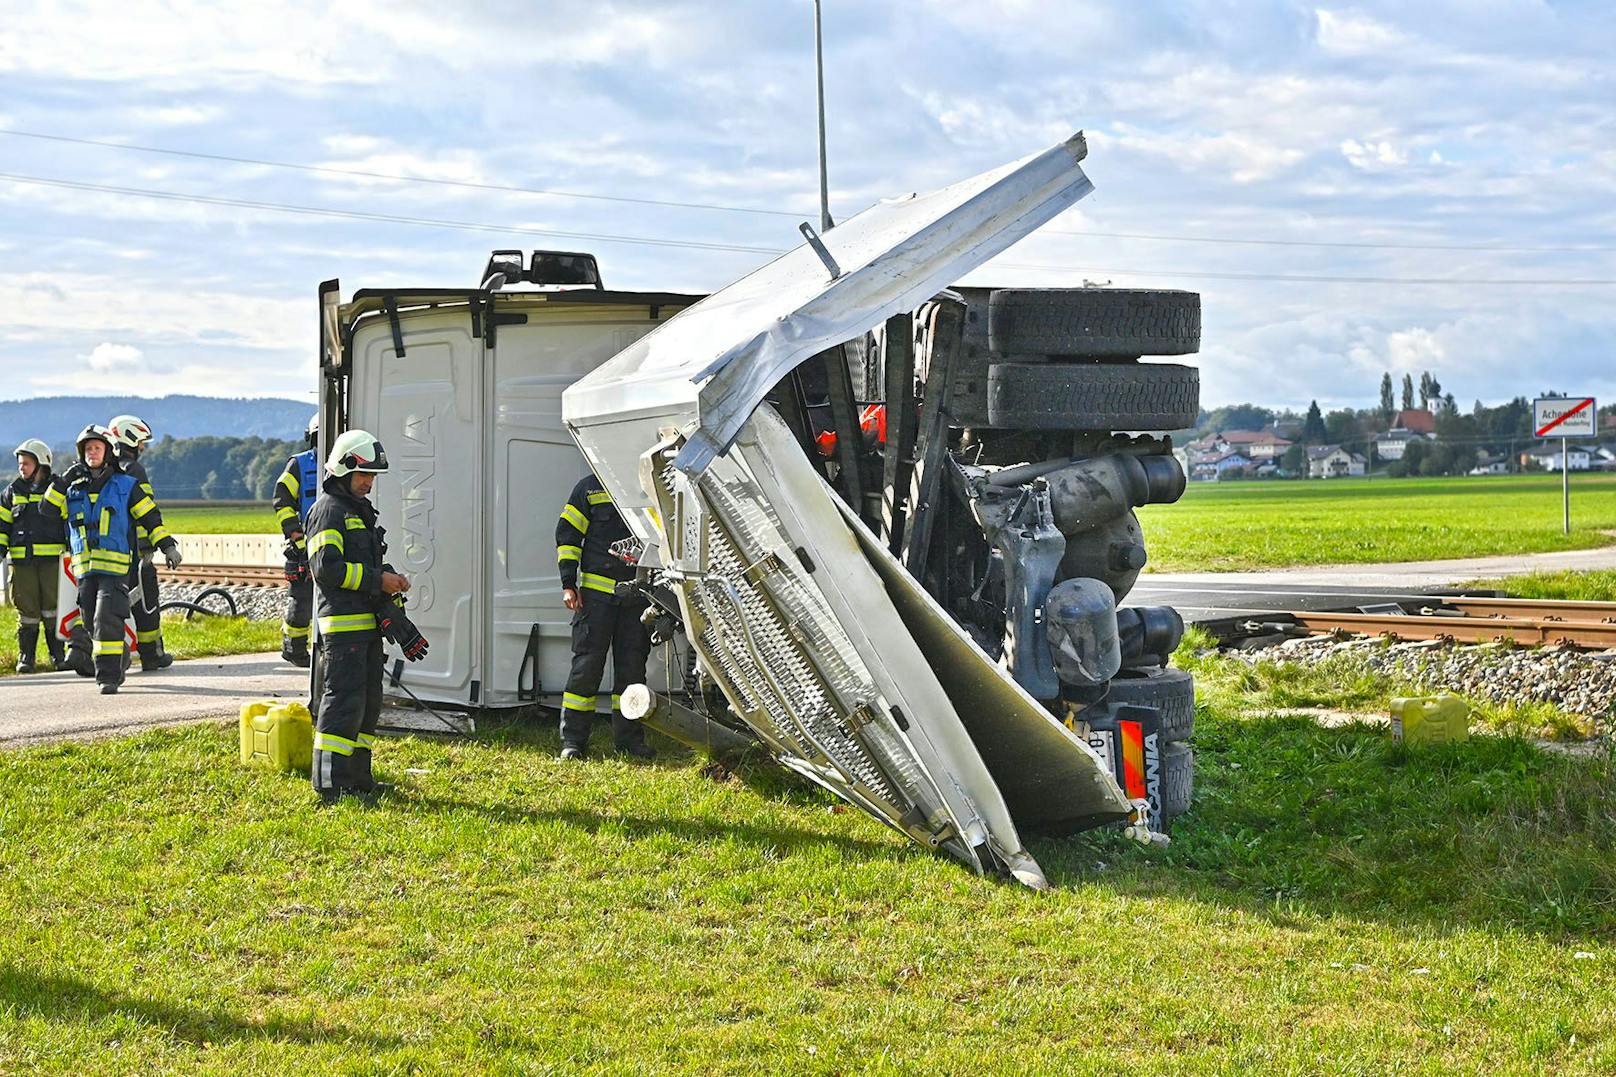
{"x": 360, "y": 603}
{"x": 32, "y": 536}
{"x": 295, "y": 494}
{"x": 129, "y": 437}
{"x": 104, "y": 506}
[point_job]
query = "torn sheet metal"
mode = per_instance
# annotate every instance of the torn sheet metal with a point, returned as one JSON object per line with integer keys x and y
{"x": 723, "y": 354}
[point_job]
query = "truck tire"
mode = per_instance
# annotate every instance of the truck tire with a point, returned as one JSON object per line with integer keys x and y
{"x": 1170, "y": 691}
{"x": 1096, "y": 323}
{"x": 1178, "y": 779}
{"x": 1090, "y": 396}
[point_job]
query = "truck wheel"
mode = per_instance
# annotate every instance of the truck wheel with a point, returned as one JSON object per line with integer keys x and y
{"x": 1096, "y": 323}
{"x": 1090, "y": 396}
{"x": 1178, "y": 779}
{"x": 1170, "y": 691}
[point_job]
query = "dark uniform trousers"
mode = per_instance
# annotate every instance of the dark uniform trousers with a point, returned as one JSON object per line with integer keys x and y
{"x": 146, "y": 611}
{"x": 299, "y": 609}
{"x": 599, "y": 626}
{"x": 103, "y": 608}
{"x": 350, "y": 708}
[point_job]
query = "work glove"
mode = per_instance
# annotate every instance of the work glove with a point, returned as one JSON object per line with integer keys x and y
{"x": 296, "y": 571}
{"x": 171, "y": 554}
{"x": 75, "y": 473}
{"x": 399, "y": 629}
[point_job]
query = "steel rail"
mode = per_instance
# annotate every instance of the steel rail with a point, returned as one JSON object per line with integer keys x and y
{"x": 1521, "y": 630}
{"x": 230, "y": 575}
{"x": 1537, "y": 608}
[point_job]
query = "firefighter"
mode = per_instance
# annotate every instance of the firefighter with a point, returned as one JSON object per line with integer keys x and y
{"x": 31, "y": 535}
{"x": 295, "y": 493}
{"x": 129, "y": 438}
{"x": 360, "y": 603}
{"x": 602, "y": 620}
{"x": 104, "y": 505}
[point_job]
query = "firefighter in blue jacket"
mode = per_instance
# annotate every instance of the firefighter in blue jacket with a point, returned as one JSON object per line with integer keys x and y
{"x": 295, "y": 494}
{"x": 129, "y": 437}
{"x": 361, "y": 603}
{"x": 31, "y": 536}
{"x": 602, "y": 620}
{"x": 103, "y": 505}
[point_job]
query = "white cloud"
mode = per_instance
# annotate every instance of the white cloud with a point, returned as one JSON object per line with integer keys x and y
{"x": 1373, "y": 156}
{"x": 173, "y": 115}
{"x": 1347, "y": 33}
{"x": 1241, "y": 158}
{"x": 107, "y": 357}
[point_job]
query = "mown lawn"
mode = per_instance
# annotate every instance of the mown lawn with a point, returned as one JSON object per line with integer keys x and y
{"x": 197, "y": 638}
{"x": 1252, "y": 525}
{"x": 1334, "y": 902}
{"x": 222, "y": 521}
{"x": 1584, "y": 586}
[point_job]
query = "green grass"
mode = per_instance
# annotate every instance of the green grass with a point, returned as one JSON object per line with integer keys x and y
{"x": 1344, "y": 682}
{"x": 1251, "y": 525}
{"x": 1594, "y": 585}
{"x": 1335, "y": 902}
{"x": 222, "y": 521}
{"x": 198, "y": 638}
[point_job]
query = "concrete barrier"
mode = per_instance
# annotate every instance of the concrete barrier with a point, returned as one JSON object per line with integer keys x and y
{"x": 232, "y": 549}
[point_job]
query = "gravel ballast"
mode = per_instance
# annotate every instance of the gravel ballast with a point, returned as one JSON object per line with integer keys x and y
{"x": 1578, "y": 682}
{"x": 253, "y": 603}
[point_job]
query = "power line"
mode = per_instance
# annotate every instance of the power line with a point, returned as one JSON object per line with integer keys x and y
{"x": 720, "y": 208}
{"x": 1308, "y": 278}
{"x": 364, "y": 174}
{"x": 736, "y": 248}
{"x": 1241, "y": 241}
{"x": 386, "y": 218}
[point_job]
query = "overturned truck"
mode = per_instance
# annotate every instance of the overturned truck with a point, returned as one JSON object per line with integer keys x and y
{"x": 896, "y": 518}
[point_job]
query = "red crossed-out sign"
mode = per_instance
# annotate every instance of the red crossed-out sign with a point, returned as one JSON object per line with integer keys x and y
{"x": 1580, "y": 406}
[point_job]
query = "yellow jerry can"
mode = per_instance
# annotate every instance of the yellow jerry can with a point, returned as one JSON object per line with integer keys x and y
{"x": 1438, "y": 719}
{"x": 277, "y": 735}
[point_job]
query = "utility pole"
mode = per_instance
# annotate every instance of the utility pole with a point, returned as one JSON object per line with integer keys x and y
{"x": 825, "y": 223}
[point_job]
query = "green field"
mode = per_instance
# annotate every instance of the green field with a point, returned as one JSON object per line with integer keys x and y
{"x": 1252, "y": 525}
{"x": 196, "y": 638}
{"x": 1591, "y": 586}
{"x": 1334, "y": 902}
{"x": 224, "y": 521}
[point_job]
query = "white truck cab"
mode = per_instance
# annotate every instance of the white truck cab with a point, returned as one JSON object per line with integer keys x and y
{"x": 463, "y": 387}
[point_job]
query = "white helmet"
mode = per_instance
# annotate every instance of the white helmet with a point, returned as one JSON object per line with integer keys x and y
{"x": 312, "y": 434}
{"x": 129, "y": 432}
{"x": 356, "y": 451}
{"x": 91, "y": 433}
{"x": 37, "y": 449}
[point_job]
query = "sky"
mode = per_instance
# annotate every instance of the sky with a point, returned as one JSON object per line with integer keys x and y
{"x": 1352, "y": 189}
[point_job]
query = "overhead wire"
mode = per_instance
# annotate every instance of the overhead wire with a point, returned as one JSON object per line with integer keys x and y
{"x": 739, "y": 248}
{"x": 435, "y": 181}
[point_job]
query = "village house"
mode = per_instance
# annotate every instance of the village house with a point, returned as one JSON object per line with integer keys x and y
{"x": 1333, "y": 462}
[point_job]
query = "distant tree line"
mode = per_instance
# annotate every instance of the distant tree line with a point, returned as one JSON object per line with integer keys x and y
{"x": 217, "y": 468}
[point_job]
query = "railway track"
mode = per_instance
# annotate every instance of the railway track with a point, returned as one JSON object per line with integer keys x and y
{"x": 226, "y": 575}
{"x": 1528, "y": 622}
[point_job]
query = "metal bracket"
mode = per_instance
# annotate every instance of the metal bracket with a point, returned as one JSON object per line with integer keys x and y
{"x": 766, "y": 565}
{"x": 391, "y": 306}
{"x": 820, "y": 249}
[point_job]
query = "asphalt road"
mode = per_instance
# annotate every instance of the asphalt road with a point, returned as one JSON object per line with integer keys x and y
{"x": 42, "y": 707}
{"x": 1209, "y": 596}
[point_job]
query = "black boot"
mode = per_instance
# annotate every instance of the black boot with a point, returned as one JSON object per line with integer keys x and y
{"x": 54, "y": 644}
{"x": 153, "y": 657}
{"x": 364, "y": 780}
{"x": 27, "y": 644}
{"x": 295, "y": 651}
{"x": 78, "y": 653}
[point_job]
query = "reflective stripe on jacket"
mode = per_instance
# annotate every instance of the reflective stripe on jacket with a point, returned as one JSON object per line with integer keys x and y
{"x": 150, "y": 535}
{"x": 295, "y": 494}
{"x": 30, "y": 526}
{"x": 589, "y": 524}
{"x": 346, "y": 547}
{"x": 101, "y": 519}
